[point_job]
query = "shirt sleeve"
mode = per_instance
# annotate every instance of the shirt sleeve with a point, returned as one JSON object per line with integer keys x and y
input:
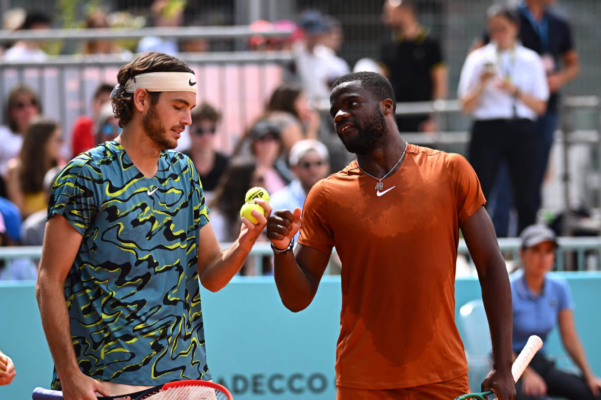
{"x": 316, "y": 231}
{"x": 436, "y": 57}
{"x": 564, "y": 296}
{"x": 74, "y": 194}
{"x": 539, "y": 88}
{"x": 568, "y": 42}
{"x": 465, "y": 186}
{"x": 469, "y": 75}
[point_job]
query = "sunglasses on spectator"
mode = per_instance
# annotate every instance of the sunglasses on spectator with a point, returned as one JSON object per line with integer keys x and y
{"x": 307, "y": 165}
{"x": 21, "y": 105}
{"x": 110, "y": 130}
{"x": 202, "y": 131}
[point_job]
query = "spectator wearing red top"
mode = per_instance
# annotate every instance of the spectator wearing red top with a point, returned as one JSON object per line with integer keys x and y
{"x": 83, "y": 137}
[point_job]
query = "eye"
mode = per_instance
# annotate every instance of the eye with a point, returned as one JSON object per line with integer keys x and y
{"x": 353, "y": 103}
{"x": 178, "y": 108}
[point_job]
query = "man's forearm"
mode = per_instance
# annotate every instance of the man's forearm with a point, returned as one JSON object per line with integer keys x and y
{"x": 55, "y": 321}
{"x": 223, "y": 266}
{"x": 496, "y": 295}
{"x": 293, "y": 284}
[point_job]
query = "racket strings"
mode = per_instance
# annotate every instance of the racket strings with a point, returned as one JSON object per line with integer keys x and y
{"x": 190, "y": 393}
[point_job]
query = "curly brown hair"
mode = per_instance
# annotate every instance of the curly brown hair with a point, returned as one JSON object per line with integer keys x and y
{"x": 152, "y": 61}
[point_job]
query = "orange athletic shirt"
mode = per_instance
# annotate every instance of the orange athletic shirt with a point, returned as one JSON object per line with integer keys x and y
{"x": 398, "y": 253}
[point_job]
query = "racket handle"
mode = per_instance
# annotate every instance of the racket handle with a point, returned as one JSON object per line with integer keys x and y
{"x": 46, "y": 394}
{"x": 521, "y": 362}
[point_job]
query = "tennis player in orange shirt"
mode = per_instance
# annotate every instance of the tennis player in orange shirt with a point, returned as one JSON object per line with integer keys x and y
{"x": 394, "y": 216}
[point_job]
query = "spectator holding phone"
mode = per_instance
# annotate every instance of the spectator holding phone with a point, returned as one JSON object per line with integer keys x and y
{"x": 504, "y": 86}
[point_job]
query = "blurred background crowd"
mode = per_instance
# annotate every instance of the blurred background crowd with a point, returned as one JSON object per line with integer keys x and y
{"x": 262, "y": 115}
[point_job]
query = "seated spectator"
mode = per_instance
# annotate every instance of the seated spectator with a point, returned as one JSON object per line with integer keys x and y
{"x": 35, "y": 225}
{"x": 17, "y": 269}
{"x": 83, "y": 137}
{"x": 25, "y": 176}
{"x": 98, "y": 20}
{"x": 12, "y": 221}
{"x": 24, "y": 51}
{"x": 165, "y": 14}
{"x": 22, "y": 105}
{"x": 334, "y": 36}
{"x": 309, "y": 163}
{"x": 317, "y": 65}
{"x": 504, "y": 86}
{"x": 7, "y": 370}
{"x": 288, "y": 108}
{"x": 107, "y": 126}
{"x": 266, "y": 148}
{"x": 209, "y": 163}
{"x": 540, "y": 303}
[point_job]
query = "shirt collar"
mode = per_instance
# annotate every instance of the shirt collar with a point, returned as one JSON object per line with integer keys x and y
{"x": 297, "y": 191}
{"x": 524, "y": 290}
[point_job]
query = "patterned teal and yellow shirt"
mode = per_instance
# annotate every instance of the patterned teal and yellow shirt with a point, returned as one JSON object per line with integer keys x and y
{"x": 132, "y": 293}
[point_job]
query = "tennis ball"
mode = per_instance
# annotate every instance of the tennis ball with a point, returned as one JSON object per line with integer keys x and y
{"x": 256, "y": 193}
{"x": 246, "y": 212}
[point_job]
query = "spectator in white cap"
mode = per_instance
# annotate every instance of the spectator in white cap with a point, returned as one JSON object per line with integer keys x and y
{"x": 309, "y": 162}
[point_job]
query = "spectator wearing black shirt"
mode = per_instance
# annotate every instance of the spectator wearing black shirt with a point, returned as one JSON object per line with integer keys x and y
{"x": 413, "y": 62}
{"x": 210, "y": 163}
{"x": 549, "y": 35}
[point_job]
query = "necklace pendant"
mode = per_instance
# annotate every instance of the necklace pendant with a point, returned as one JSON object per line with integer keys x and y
{"x": 379, "y": 185}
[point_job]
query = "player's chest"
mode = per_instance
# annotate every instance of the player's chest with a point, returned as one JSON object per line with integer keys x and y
{"x": 398, "y": 206}
{"x": 144, "y": 209}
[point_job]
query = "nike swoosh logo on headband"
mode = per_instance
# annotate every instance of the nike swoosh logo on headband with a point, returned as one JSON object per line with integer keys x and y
{"x": 191, "y": 83}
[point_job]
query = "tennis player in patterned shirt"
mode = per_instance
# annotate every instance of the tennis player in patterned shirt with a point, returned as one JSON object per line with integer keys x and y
{"x": 394, "y": 216}
{"x": 127, "y": 239}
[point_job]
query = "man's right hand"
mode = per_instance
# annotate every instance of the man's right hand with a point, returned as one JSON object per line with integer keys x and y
{"x": 81, "y": 387}
{"x": 282, "y": 226}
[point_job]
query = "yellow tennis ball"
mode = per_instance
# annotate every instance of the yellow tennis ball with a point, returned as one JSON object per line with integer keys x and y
{"x": 246, "y": 212}
{"x": 256, "y": 193}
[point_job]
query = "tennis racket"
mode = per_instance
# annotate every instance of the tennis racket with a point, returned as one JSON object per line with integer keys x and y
{"x": 517, "y": 369}
{"x": 181, "y": 390}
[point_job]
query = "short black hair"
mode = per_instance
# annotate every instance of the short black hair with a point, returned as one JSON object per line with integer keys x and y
{"x": 376, "y": 83}
{"x": 498, "y": 10}
{"x": 35, "y": 18}
{"x": 102, "y": 89}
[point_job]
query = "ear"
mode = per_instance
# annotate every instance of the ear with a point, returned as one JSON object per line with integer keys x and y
{"x": 388, "y": 107}
{"x": 141, "y": 99}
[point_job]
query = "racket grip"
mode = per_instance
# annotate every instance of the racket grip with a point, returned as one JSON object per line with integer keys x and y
{"x": 46, "y": 394}
{"x": 521, "y": 362}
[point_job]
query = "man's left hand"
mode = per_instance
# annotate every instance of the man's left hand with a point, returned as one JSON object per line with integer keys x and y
{"x": 555, "y": 81}
{"x": 249, "y": 233}
{"x": 594, "y": 384}
{"x": 501, "y": 383}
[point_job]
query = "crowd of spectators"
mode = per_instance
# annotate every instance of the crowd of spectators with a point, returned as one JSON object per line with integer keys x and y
{"x": 508, "y": 84}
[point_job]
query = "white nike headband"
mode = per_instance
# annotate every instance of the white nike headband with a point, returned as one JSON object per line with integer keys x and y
{"x": 160, "y": 82}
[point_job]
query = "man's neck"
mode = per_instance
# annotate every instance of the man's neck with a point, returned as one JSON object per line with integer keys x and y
{"x": 385, "y": 158}
{"x": 142, "y": 151}
{"x": 409, "y": 31}
{"x": 537, "y": 8}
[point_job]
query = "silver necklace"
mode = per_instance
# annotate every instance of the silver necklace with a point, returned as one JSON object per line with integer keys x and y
{"x": 380, "y": 185}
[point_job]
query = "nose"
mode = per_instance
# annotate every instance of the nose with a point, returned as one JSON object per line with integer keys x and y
{"x": 339, "y": 115}
{"x": 187, "y": 120}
